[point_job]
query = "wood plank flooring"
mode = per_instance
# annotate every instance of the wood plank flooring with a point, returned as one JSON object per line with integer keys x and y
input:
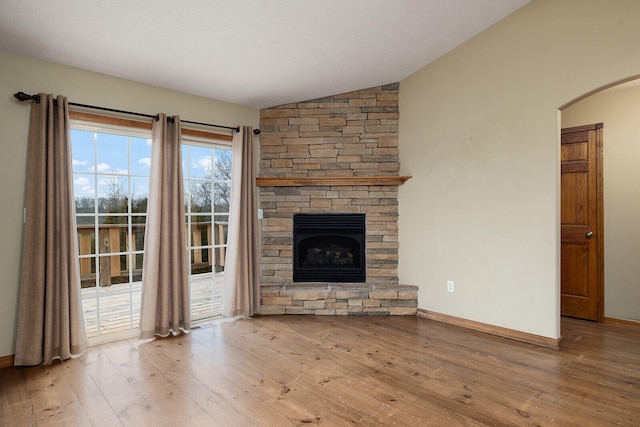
{"x": 337, "y": 371}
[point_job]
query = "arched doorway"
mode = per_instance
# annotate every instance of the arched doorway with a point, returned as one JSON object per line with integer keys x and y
{"x": 618, "y": 107}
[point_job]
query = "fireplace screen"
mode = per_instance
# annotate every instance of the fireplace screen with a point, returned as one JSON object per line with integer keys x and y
{"x": 329, "y": 248}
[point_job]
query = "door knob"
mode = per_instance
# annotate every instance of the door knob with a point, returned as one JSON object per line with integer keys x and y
{"x": 589, "y": 234}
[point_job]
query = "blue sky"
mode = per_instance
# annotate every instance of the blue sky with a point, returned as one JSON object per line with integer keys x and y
{"x": 108, "y": 156}
{"x": 107, "y": 153}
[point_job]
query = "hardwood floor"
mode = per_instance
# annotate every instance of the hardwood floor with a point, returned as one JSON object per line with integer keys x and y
{"x": 337, "y": 371}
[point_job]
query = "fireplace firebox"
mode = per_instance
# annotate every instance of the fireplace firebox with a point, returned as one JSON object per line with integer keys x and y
{"x": 329, "y": 248}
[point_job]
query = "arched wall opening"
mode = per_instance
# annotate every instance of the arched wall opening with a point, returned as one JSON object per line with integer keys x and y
{"x": 617, "y": 106}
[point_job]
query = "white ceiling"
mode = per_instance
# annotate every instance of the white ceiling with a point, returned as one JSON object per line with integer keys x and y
{"x": 257, "y": 53}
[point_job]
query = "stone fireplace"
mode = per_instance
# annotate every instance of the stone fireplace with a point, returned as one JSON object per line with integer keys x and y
{"x": 332, "y": 156}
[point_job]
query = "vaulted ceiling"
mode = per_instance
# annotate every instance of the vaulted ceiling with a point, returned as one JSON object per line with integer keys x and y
{"x": 257, "y": 53}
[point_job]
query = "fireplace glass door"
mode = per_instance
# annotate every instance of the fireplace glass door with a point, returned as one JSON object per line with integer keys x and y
{"x": 329, "y": 248}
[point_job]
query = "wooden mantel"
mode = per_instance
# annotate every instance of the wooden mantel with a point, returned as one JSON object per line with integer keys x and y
{"x": 331, "y": 180}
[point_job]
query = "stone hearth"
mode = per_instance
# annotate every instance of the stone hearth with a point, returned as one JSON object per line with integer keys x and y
{"x": 337, "y": 154}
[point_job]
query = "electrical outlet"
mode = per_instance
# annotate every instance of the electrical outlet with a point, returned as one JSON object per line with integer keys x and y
{"x": 451, "y": 286}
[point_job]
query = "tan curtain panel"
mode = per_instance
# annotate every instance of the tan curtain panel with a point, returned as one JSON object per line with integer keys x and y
{"x": 50, "y": 318}
{"x": 241, "y": 291}
{"x": 165, "y": 306}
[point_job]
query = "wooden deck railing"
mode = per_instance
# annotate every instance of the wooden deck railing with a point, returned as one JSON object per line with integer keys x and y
{"x": 113, "y": 239}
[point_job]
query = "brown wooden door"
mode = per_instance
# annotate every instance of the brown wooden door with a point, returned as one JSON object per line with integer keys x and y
{"x": 581, "y": 266}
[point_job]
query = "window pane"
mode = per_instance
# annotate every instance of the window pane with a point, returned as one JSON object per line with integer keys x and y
{"x": 115, "y": 313}
{"x": 221, "y": 195}
{"x": 222, "y": 180}
{"x": 84, "y": 193}
{"x": 90, "y": 309}
{"x": 138, "y": 258}
{"x": 221, "y": 223}
{"x": 198, "y": 266}
{"x": 206, "y": 292}
{"x": 112, "y": 193}
{"x": 112, "y": 234}
{"x": 140, "y": 156}
{"x": 200, "y": 162}
{"x": 88, "y": 275}
{"x": 113, "y": 154}
{"x": 222, "y": 168}
{"x": 200, "y": 230}
{"x": 109, "y": 271}
{"x": 137, "y": 230}
{"x": 200, "y": 194}
{"x": 82, "y": 148}
{"x": 86, "y": 235}
{"x": 219, "y": 254}
{"x": 200, "y": 241}
{"x": 139, "y": 194}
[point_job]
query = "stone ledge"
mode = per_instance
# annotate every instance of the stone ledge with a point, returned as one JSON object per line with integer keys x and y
{"x": 352, "y": 299}
{"x": 321, "y": 286}
{"x": 323, "y": 181}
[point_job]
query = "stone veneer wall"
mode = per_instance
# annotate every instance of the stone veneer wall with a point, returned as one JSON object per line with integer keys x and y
{"x": 347, "y": 135}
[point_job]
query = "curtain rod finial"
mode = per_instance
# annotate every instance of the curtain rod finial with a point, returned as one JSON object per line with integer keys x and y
{"x": 21, "y": 96}
{"x": 256, "y": 131}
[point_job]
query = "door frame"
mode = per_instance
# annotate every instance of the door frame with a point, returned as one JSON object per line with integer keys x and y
{"x": 599, "y": 226}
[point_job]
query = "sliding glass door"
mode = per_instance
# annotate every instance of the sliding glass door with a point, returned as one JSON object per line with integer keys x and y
{"x": 207, "y": 183}
{"x": 111, "y": 167}
{"x": 111, "y": 184}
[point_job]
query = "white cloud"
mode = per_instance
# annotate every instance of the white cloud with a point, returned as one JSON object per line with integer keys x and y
{"x": 79, "y": 163}
{"x": 87, "y": 190}
{"x": 102, "y": 168}
{"x": 203, "y": 162}
{"x": 82, "y": 187}
{"x": 81, "y": 181}
{"x": 145, "y": 161}
{"x": 107, "y": 168}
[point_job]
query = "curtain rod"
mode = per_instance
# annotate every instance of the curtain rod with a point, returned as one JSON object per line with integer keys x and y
{"x": 21, "y": 96}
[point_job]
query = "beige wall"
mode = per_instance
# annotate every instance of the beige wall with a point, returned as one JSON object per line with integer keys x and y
{"x": 23, "y": 74}
{"x": 619, "y": 110}
{"x": 479, "y": 133}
